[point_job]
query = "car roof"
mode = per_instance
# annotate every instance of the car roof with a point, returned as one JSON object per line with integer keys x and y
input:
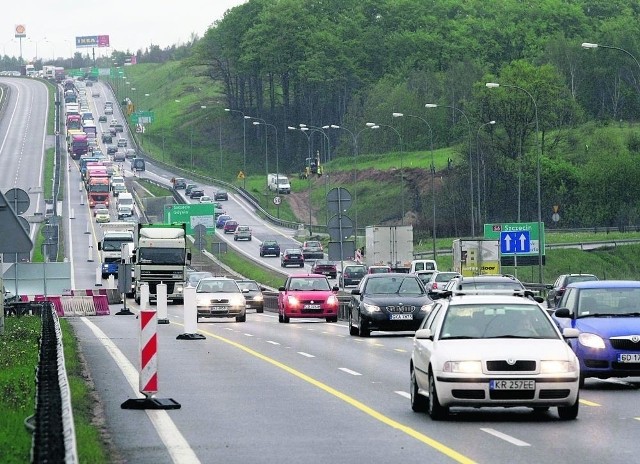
{"x": 217, "y": 278}
{"x": 315, "y": 276}
{"x": 606, "y": 284}
{"x": 491, "y": 299}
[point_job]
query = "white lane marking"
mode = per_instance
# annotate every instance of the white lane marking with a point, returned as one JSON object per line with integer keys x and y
{"x": 349, "y": 371}
{"x": 176, "y": 444}
{"x": 272, "y": 342}
{"x": 505, "y": 437}
{"x": 248, "y": 335}
{"x": 399, "y": 350}
{"x": 403, "y": 394}
{"x": 306, "y": 355}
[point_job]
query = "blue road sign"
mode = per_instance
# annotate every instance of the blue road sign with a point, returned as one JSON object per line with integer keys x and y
{"x": 515, "y": 242}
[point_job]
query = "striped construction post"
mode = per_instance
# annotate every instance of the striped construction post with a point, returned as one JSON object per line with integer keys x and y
{"x": 144, "y": 295}
{"x": 148, "y": 352}
{"x": 148, "y": 380}
{"x": 190, "y": 316}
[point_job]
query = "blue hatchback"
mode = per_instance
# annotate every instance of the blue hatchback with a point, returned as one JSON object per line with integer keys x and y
{"x": 607, "y": 314}
{"x": 221, "y": 220}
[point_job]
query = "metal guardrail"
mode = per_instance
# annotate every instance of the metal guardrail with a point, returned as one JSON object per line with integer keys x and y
{"x": 54, "y": 438}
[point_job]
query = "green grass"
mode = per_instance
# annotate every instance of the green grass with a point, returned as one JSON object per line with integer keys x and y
{"x": 153, "y": 189}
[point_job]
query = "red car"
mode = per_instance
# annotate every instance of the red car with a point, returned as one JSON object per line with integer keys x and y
{"x": 308, "y": 295}
{"x": 230, "y": 226}
{"x": 324, "y": 267}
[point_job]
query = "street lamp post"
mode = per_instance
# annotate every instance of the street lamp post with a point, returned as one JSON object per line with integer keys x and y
{"x": 478, "y": 196}
{"x": 492, "y": 85}
{"x": 433, "y": 105}
{"x": 595, "y": 45}
{"x": 433, "y": 175}
{"x": 244, "y": 145}
{"x": 320, "y": 130}
{"x": 259, "y": 121}
{"x": 377, "y": 126}
{"x": 309, "y": 173}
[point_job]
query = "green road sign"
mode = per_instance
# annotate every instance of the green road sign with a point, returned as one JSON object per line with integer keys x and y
{"x": 191, "y": 215}
{"x": 142, "y": 117}
{"x": 535, "y": 240}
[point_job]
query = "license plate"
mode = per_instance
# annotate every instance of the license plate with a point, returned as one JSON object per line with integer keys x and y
{"x": 310, "y": 306}
{"x": 401, "y": 317}
{"x": 512, "y": 384}
{"x": 629, "y": 358}
{"x": 218, "y": 308}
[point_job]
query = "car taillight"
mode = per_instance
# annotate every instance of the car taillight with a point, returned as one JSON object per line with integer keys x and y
{"x": 435, "y": 285}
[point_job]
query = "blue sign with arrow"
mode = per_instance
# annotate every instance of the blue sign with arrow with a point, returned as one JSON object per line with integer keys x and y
{"x": 515, "y": 242}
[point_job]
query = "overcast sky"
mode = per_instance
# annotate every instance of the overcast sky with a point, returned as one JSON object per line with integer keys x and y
{"x": 53, "y": 25}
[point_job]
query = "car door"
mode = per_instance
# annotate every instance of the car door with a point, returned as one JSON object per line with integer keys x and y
{"x": 423, "y": 349}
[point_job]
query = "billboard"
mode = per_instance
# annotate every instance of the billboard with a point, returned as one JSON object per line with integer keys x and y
{"x": 191, "y": 215}
{"x": 91, "y": 41}
{"x": 21, "y": 31}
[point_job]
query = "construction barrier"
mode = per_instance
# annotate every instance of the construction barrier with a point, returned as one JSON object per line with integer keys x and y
{"x": 84, "y": 303}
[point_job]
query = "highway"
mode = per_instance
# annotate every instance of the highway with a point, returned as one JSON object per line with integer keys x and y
{"x": 266, "y": 392}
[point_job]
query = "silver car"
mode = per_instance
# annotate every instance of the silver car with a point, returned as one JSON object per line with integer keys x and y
{"x": 220, "y": 297}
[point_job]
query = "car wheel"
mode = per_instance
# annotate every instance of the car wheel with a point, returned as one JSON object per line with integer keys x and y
{"x": 281, "y": 264}
{"x": 249, "y": 238}
{"x": 582, "y": 379}
{"x": 285, "y": 319}
{"x": 418, "y": 402}
{"x": 260, "y": 310}
{"x": 434, "y": 408}
{"x": 235, "y": 239}
{"x": 280, "y": 317}
{"x": 569, "y": 412}
{"x": 363, "y": 328}
{"x": 301, "y": 264}
{"x": 242, "y": 318}
{"x": 352, "y": 329}
{"x": 332, "y": 319}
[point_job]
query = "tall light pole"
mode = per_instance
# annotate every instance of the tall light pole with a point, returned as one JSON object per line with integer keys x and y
{"x": 433, "y": 175}
{"x": 493, "y": 85}
{"x": 309, "y": 173}
{"x": 244, "y": 145}
{"x": 478, "y": 169}
{"x": 320, "y": 130}
{"x": 355, "y": 171}
{"x": 595, "y": 45}
{"x": 433, "y": 105}
{"x": 266, "y": 152}
{"x": 377, "y": 126}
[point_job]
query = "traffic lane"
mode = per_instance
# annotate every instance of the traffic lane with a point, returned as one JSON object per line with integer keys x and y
{"x": 249, "y": 401}
{"x": 374, "y": 376}
{"x": 131, "y": 431}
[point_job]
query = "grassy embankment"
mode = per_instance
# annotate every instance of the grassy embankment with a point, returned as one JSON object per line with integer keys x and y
{"x": 17, "y": 392}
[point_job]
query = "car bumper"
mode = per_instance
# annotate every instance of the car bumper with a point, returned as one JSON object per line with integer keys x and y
{"x": 464, "y": 391}
{"x": 228, "y": 311}
{"x": 313, "y": 255}
{"x": 293, "y": 263}
{"x": 382, "y": 321}
{"x": 257, "y": 305}
{"x": 311, "y": 313}
{"x": 606, "y": 363}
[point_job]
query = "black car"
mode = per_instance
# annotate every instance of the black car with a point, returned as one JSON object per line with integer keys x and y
{"x": 269, "y": 248}
{"x": 555, "y": 293}
{"x": 292, "y": 257}
{"x": 187, "y": 189}
{"x": 252, "y": 294}
{"x": 102, "y": 118}
{"x": 111, "y": 150}
{"x": 106, "y": 138}
{"x": 352, "y": 275}
{"x": 220, "y": 195}
{"x": 196, "y": 193}
{"x": 179, "y": 183}
{"x": 387, "y": 301}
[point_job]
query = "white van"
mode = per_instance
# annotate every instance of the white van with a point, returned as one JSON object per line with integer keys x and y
{"x": 278, "y": 183}
{"x": 126, "y": 199}
{"x": 418, "y": 265}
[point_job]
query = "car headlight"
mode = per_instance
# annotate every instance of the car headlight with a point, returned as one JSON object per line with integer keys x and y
{"x": 557, "y": 367}
{"x": 293, "y": 301}
{"x": 425, "y": 308}
{"x": 332, "y": 300}
{"x": 463, "y": 367}
{"x": 371, "y": 308}
{"x": 591, "y": 341}
{"x": 258, "y": 298}
{"x": 202, "y": 301}
{"x": 237, "y": 300}
{"x": 179, "y": 288}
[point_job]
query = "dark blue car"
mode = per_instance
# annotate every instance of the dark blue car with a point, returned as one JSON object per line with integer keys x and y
{"x": 607, "y": 314}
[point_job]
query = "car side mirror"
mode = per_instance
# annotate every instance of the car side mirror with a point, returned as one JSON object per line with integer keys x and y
{"x": 281, "y": 289}
{"x": 424, "y": 334}
{"x": 570, "y": 332}
{"x": 335, "y": 289}
{"x": 563, "y": 312}
{"x": 355, "y": 291}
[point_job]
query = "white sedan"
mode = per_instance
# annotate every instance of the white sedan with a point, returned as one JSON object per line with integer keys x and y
{"x": 492, "y": 351}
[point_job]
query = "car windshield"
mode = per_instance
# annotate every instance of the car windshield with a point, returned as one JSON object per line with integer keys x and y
{"x": 393, "y": 285}
{"x": 269, "y": 243}
{"x": 217, "y": 286}
{"x": 309, "y": 284}
{"x": 490, "y": 285}
{"x": 249, "y": 285}
{"x": 594, "y": 302}
{"x": 148, "y": 255}
{"x": 496, "y": 321}
{"x": 580, "y": 278}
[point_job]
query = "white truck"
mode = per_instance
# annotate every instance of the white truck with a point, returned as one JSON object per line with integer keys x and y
{"x": 161, "y": 256}
{"x": 278, "y": 183}
{"x": 476, "y": 257}
{"x": 114, "y": 235}
{"x": 389, "y": 245}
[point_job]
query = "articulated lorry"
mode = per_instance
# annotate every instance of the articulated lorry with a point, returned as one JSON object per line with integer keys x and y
{"x": 161, "y": 256}
{"x": 114, "y": 235}
{"x": 389, "y": 245}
